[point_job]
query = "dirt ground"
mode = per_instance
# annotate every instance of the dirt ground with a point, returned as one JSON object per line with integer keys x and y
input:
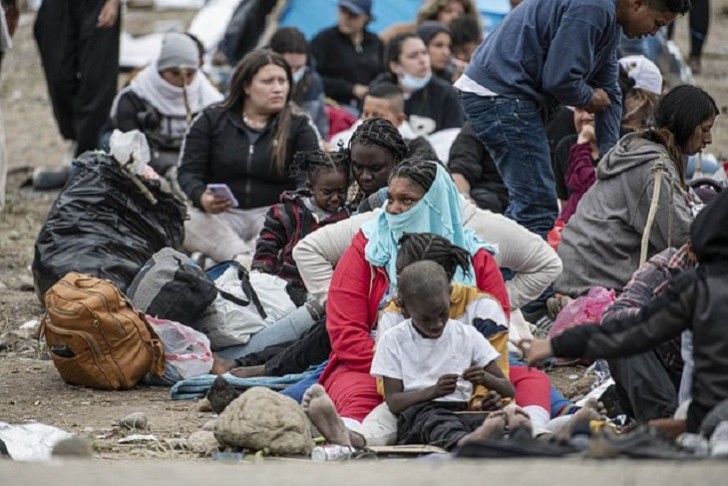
{"x": 30, "y": 388}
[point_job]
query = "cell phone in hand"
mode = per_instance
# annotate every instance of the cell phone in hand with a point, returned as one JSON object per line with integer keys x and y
{"x": 223, "y": 191}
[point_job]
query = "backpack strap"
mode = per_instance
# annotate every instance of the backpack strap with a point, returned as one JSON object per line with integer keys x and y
{"x": 245, "y": 284}
{"x": 657, "y": 169}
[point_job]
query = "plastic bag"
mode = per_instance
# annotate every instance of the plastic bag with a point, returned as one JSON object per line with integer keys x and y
{"x": 587, "y": 309}
{"x": 102, "y": 224}
{"x": 274, "y": 298}
{"x": 32, "y": 441}
{"x": 186, "y": 352}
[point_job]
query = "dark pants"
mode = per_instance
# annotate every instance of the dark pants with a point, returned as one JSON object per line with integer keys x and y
{"x": 313, "y": 348}
{"x": 699, "y": 23}
{"x": 436, "y": 423}
{"x": 81, "y": 64}
{"x": 645, "y": 388}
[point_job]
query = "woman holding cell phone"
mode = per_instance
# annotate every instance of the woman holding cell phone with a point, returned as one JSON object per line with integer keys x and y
{"x": 236, "y": 156}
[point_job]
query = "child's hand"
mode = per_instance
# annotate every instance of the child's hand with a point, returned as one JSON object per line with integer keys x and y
{"x": 475, "y": 375}
{"x": 536, "y": 350}
{"x": 492, "y": 401}
{"x": 446, "y": 385}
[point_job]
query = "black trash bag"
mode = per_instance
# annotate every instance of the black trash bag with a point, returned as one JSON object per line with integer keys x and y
{"x": 103, "y": 225}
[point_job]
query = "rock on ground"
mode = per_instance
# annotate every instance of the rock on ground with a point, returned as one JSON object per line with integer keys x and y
{"x": 261, "y": 418}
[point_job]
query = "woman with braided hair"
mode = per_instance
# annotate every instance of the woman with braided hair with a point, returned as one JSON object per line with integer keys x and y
{"x": 375, "y": 147}
{"x": 301, "y": 212}
{"x": 422, "y": 198}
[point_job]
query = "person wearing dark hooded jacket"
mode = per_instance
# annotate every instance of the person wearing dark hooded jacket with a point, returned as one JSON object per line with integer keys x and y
{"x": 162, "y": 99}
{"x": 640, "y": 192}
{"x": 696, "y": 300}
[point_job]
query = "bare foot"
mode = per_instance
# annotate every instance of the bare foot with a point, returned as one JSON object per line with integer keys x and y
{"x": 222, "y": 365}
{"x": 518, "y": 419}
{"x": 581, "y": 419}
{"x": 322, "y": 413}
{"x": 492, "y": 427}
{"x": 248, "y": 371}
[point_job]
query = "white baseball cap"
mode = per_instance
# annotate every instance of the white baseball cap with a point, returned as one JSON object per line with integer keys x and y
{"x": 644, "y": 72}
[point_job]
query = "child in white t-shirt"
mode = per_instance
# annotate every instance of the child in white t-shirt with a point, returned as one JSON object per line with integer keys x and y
{"x": 429, "y": 364}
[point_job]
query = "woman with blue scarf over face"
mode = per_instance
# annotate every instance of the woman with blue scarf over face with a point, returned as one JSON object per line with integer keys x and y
{"x": 422, "y": 198}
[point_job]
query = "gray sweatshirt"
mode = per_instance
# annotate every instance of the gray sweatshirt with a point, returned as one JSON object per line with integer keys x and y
{"x": 601, "y": 244}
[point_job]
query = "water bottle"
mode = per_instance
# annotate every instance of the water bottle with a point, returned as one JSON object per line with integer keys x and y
{"x": 331, "y": 452}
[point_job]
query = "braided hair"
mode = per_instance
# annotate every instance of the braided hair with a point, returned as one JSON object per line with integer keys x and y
{"x": 381, "y": 132}
{"x": 414, "y": 247}
{"x": 316, "y": 162}
{"x": 421, "y": 171}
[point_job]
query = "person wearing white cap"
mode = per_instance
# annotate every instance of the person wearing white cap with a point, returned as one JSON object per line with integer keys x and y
{"x": 641, "y": 99}
{"x": 162, "y": 99}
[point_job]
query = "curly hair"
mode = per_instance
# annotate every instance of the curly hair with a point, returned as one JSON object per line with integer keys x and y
{"x": 316, "y": 162}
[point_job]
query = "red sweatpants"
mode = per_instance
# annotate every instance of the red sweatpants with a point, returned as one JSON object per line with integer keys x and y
{"x": 533, "y": 387}
{"x": 354, "y": 393}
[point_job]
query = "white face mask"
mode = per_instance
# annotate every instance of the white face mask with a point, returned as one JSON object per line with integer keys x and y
{"x": 414, "y": 83}
{"x": 298, "y": 75}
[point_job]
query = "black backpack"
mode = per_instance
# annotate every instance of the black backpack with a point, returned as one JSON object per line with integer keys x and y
{"x": 171, "y": 286}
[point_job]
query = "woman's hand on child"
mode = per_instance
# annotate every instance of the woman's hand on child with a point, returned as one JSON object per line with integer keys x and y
{"x": 536, "y": 350}
{"x": 446, "y": 385}
{"x": 213, "y": 204}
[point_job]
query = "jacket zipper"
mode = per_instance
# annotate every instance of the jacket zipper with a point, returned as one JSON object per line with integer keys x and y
{"x": 249, "y": 163}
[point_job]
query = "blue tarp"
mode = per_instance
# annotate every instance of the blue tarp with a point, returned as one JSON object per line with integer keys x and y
{"x": 313, "y": 15}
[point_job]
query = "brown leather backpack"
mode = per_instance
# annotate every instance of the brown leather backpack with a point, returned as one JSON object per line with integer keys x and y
{"x": 95, "y": 336}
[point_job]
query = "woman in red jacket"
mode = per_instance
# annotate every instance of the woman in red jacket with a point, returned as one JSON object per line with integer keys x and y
{"x": 422, "y": 198}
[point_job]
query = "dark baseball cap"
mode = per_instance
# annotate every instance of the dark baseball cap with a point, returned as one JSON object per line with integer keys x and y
{"x": 357, "y": 7}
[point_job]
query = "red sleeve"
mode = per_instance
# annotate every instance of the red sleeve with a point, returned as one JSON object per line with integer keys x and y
{"x": 581, "y": 174}
{"x": 347, "y": 309}
{"x": 489, "y": 279}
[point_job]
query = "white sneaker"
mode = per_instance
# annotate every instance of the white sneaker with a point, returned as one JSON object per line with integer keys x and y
{"x": 719, "y": 441}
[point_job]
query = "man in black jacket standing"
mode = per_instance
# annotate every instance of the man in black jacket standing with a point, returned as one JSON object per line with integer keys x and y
{"x": 348, "y": 56}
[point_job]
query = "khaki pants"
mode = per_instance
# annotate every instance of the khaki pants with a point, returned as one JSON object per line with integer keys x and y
{"x": 226, "y": 235}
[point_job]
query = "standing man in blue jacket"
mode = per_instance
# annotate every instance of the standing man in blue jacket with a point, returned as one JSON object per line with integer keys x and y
{"x": 546, "y": 53}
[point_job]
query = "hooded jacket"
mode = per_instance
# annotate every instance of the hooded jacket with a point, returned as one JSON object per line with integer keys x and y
{"x": 601, "y": 243}
{"x": 696, "y": 300}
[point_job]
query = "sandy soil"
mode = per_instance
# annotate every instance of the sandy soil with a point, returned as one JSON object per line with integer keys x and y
{"x": 30, "y": 388}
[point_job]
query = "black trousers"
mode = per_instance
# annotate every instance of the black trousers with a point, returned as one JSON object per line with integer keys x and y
{"x": 699, "y": 23}
{"x": 313, "y": 348}
{"x": 645, "y": 387}
{"x": 436, "y": 423}
{"x": 81, "y": 64}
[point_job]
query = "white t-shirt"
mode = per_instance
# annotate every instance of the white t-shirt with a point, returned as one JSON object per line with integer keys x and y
{"x": 403, "y": 354}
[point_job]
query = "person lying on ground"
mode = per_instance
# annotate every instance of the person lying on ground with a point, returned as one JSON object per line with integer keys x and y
{"x": 163, "y": 98}
{"x": 640, "y": 197}
{"x": 695, "y": 300}
{"x": 300, "y": 213}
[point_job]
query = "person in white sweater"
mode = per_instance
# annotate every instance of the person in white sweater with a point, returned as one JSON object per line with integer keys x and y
{"x": 535, "y": 264}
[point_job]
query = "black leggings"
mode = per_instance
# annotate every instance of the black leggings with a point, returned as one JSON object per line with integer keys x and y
{"x": 699, "y": 22}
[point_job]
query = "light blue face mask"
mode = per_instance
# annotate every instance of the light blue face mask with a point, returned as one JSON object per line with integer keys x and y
{"x": 298, "y": 75}
{"x": 414, "y": 83}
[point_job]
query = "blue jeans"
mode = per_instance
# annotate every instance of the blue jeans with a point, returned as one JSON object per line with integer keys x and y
{"x": 289, "y": 328}
{"x": 297, "y": 390}
{"x": 513, "y": 132}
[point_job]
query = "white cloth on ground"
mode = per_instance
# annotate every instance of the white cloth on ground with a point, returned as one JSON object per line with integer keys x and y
{"x": 404, "y": 354}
